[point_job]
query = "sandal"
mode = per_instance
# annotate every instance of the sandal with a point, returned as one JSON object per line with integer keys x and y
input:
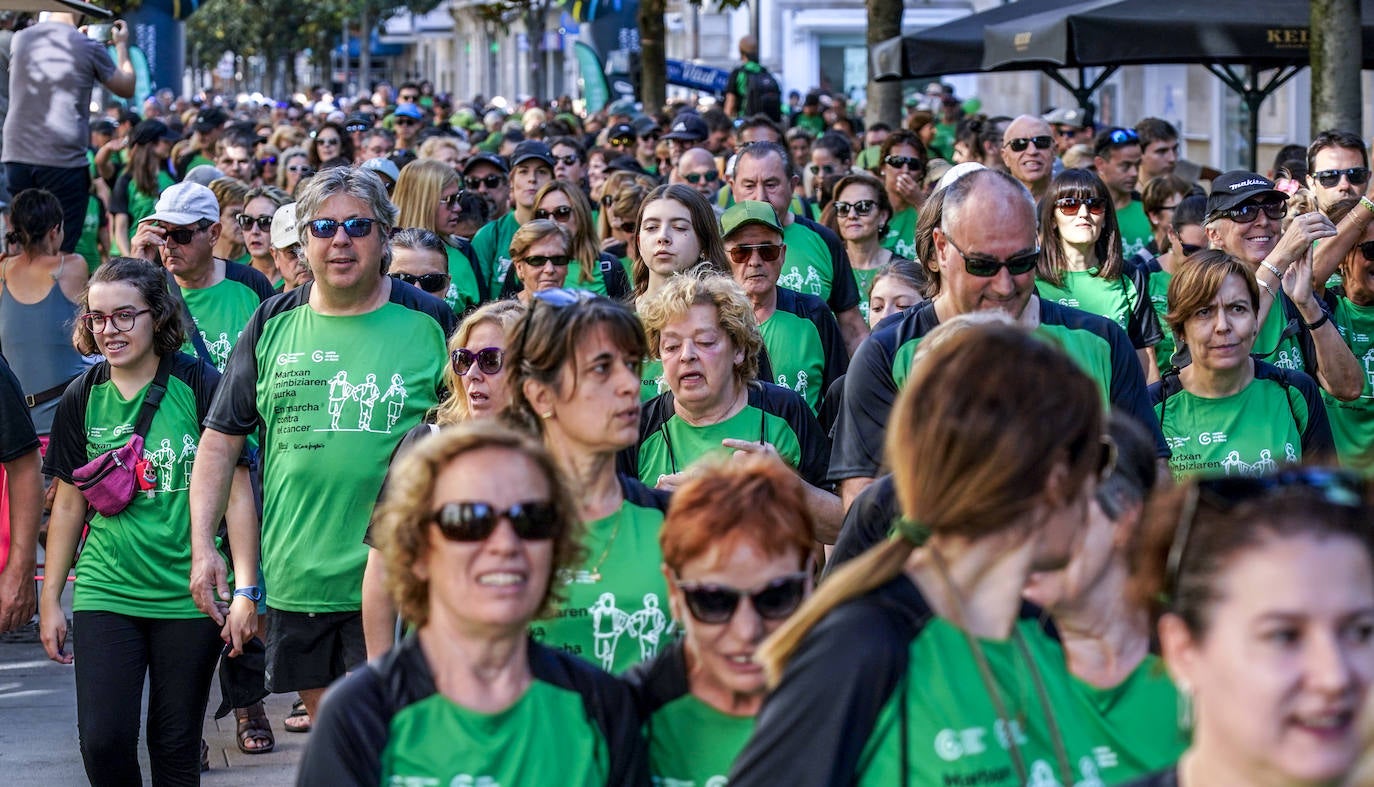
{"x": 204, "y": 756}
{"x": 254, "y": 729}
{"x": 299, "y": 719}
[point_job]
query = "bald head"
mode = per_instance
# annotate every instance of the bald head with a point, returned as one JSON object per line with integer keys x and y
{"x": 749, "y": 47}
{"x": 991, "y": 197}
{"x": 1031, "y": 164}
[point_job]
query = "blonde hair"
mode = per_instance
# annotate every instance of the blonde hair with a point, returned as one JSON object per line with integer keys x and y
{"x": 531, "y": 232}
{"x": 417, "y": 192}
{"x": 582, "y": 242}
{"x": 228, "y": 191}
{"x": 1001, "y": 409}
{"x": 407, "y": 510}
{"x": 502, "y": 314}
{"x": 703, "y": 286}
{"x": 430, "y": 147}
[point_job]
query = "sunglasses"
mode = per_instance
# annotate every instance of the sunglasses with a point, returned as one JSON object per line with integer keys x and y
{"x": 1021, "y": 143}
{"x": 861, "y": 208}
{"x": 1247, "y": 213}
{"x": 451, "y": 201}
{"x": 533, "y": 520}
{"x": 607, "y": 200}
{"x": 559, "y": 214}
{"x": 267, "y": 162}
{"x": 1358, "y": 176}
{"x": 429, "y": 282}
{"x": 555, "y": 297}
{"x": 622, "y": 142}
{"x": 488, "y": 359}
{"x": 332, "y": 142}
{"x": 354, "y": 128}
{"x": 909, "y": 163}
{"x": 490, "y": 181}
{"x": 1190, "y": 249}
{"x": 717, "y": 604}
{"x": 768, "y": 252}
{"x": 245, "y": 221}
{"x": 1340, "y": 488}
{"x": 627, "y": 227}
{"x": 1065, "y": 131}
{"x": 539, "y": 261}
{"x": 817, "y": 169}
{"x": 1069, "y": 206}
{"x": 568, "y": 160}
{"x": 409, "y": 97}
{"x": 353, "y": 228}
{"x": 406, "y": 122}
{"x": 183, "y": 235}
{"x": 303, "y": 169}
{"x": 987, "y": 267}
{"x": 709, "y": 176}
{"x": 1123, "y": 135}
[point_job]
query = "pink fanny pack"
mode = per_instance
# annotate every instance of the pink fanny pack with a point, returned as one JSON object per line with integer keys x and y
{"x": 109, "y": 481}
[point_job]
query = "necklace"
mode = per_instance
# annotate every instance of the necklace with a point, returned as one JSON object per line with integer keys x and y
{"x": 592, "y": 575}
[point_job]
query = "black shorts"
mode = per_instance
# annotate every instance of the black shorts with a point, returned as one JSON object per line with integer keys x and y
{"x": 310, "y": 650}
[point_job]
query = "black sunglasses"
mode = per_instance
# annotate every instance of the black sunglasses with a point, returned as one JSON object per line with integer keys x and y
{"x": 568, "y": 160}
{"x": 1190, "y": 249}
{"x": 353, "y": 228}
{"x": 1247, "y": 213}
{"x": 184, "y": 235}
{"x": 1069, "y": 205}
{"x": 490, "y": 181}
{"x": 768, "y": 252}
{"x": 429, "y": 282}
{"x": 533, "y": 520}
{"x": 861, "y": 208}
{"x": 717, "y": 604}
{"x": 560, "y": 213}
{"x": 539, "y": 260}
{"x": 489, "y": 360}
{"x": 245, "y": 221}
{"x": 1021, "y": 143}
{"x": 451, "y": 201}
{"x": 1358, "y": 176}
{"x": 987, "y": 267}
{"x": 909, "y": 163}
{"x": 708, "y": 176}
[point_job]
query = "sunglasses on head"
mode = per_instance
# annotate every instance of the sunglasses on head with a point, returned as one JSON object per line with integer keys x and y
{"x": 490, "y": 181}
{"x": 429, "y": 282}
{"x": 184, "y": 235}
{"x": 768, "y": 252}
{"x": 1021, "y": 143}
{"x": 709, "y": 176}
{"x": 717, "y": 604}
{"x": 353, "y": 228}
{"x": 1247, "y": 213}
{"x": 488, "y": 359}
{"x": 861, "y": 208}
{"x": 540, "y": 260}
{"x": 560, "y": 213}
{"x": 533, "y": 520}
{"x": 909, "y": 163}
{"x": 1069, "y": 206}
{"x": 245, "y": 221}
{"x": 555, "y": 297}
{"x": 1358, "y": 176}
{"x": 987, "y": 267}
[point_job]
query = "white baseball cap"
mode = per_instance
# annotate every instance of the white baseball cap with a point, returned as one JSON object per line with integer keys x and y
{"x": 284, "y": 234}
{"x": 185, "y": 203}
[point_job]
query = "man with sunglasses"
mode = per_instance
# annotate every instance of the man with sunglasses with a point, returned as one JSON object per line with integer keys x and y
{"x": 1337, "y": 167}
{"x": 697, "y": 168}
{"x": 985, "y": 260}
{"x": 1116, "y": 159}
{"x": 569, "y": 161}
{"x": 1028, "y": 152}
{"x": 805, "y": 348}
{"x": 406, "y": 122}
{"x": 1245, "y": 219}
{"x": 1070, "y": 127}
{"x": 304, "y": 372}
{"x": 219, "y": 295}
{"x": 487, "y": 174}
{"x": 531, "y": 166}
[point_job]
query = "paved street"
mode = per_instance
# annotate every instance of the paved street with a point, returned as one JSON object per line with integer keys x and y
{"x": 38, "y": 739}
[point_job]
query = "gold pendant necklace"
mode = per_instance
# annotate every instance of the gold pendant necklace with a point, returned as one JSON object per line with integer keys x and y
{"x": 593, "y": 575}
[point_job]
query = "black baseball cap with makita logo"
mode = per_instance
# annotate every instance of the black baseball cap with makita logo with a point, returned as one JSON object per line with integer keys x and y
{"x": 1239, "y": 186}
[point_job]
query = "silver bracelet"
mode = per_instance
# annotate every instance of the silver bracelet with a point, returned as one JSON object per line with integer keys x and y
{"x": 1264, "y": 285}
{"x": 1278, "y": 274}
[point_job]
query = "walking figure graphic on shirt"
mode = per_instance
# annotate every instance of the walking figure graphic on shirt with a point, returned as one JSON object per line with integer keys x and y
{"x": 395, "y": 397}
{"x": 647, "y": 625}
{"x": 801, "y": 383}
{"x": 366, "y": 396}
{"x": 1266, "y": 463}
{"x": 340, "y": 390}
{"x": 163, "y": 459}
{"x": 1233, "y": 465}
{"x": 608, "y": 623}
{"x": 219, "y": 350}
{"x": 187, "y": 458}
{"x": 1289, "y": 453}
{"x": 1368, "y": 359}
{"x": 1042, "y": 775}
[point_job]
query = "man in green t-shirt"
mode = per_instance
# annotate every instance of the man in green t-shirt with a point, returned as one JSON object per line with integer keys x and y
{"x": 334, "y": 373}
{"x": 531, "y": 166}
{"x": 1116, "y": 158}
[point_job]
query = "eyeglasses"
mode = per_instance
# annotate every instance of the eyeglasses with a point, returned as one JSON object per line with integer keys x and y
{"x": 1367, "y": 250}
{"x": 987, "y": 267}
{"x": 123, "y": 320}
{"x": 533, "y": 520}
{"x": 716, "y": 604}
{"x": 861, "y": 208}
{"x": 1358, "y": 176}
{"x": 1340, "y": 488}
{"x": 908, "y": 163}
{"x": 303, "y": 169}
{"x": 817, "y": 169}
{"x": 267, "y": 162}
{"x": 451, "y": 201}
{"x": 488, "y": 359}
{"x": 539, "y": 260}
{"x": 768, "y": 252}
{"x": 405, "y": 121}
{"x": 332, "y": 142}
{"x": 490, "y": 181}
{"x": 568, "y": 160}
{"x": 1069, "y": 206}
{"x": 560, "y": 214}
{"x": 709, "y": 176}
{"x": 622, "y": 142}
{"x": 429, "y": 282}
{"x": 1065, "y": 131}
{"x": 245, "y": 221}
{"x": 183, "y": 235}
{"x": 353, "y": 228}
{"x": 1019, "y": 144}
{"x": 1247, "y": 213}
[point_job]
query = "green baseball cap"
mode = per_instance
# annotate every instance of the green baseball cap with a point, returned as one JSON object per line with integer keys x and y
{"x": 747, "y": 212}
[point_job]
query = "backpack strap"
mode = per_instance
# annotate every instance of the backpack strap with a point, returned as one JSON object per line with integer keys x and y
{"x": 153, "y": 398}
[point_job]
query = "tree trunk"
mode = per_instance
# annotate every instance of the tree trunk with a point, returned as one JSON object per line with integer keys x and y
{"x": 884, "y": 98}
{"x": 653, "y": 92}
{"x": 534, "y": 33}
{"x": 364, "y": 51}
{"x": 1335, "y": 54}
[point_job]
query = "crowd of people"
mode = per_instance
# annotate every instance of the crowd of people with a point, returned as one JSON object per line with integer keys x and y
{"x": 725, "y": 442}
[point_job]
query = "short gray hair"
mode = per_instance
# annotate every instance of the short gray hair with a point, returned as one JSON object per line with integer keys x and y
{"x": 361, "y": 184}
{"x": 962, "y": 189}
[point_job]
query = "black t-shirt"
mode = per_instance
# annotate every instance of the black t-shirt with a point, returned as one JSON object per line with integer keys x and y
{"x": 867, "y": 522}
{"x": 17, "y": 436}
{"x": 1167, "y": 778}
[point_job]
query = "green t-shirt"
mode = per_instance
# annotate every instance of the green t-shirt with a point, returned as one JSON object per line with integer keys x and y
{"x": 864, "y": 277}
{"x": 1352, "y": 423}
{"x": 491, "y": 244}
{"x": 335, "y": 394}
{"x": 1138, "y": 719}
{"x": 88, "y": 246}
{"x": 900, "y": 238}
{"x": 616, "y": 609}
{"x": 813, "y": 123}
{"x": 796, "y": 354}
{"x": 808, "y": 267}
{"x": 1091, "y": 293}
{"x": 1159, "y": 299}
{"x": 1273, "y": 346}
{"x": 142, "y": 205}
{"x": 137, "y": 561}
{"x": 463, "y": 293}
{"x": 220, "y": 312}
{"x": 573, "y": 279}
{"x": 692, "y": 744}
{"x": 651, "y": 379}
{"x": 676, "y": 445}
{"x": 1249, "y": 433}
{"x": 1135, "y": 229}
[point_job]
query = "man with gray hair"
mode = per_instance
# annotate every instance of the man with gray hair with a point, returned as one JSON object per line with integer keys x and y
{"x": 985, "y": 259}
{"x": 299, "y": 373}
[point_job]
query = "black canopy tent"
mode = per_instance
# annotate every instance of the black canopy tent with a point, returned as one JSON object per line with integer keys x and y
{"x": 66, "y": 6}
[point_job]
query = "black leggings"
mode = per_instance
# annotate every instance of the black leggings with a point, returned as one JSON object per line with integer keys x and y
{"x": 113, "y": 652}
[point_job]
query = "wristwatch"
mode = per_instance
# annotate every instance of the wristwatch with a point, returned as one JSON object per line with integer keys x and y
{"x": 251, "y": 592}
